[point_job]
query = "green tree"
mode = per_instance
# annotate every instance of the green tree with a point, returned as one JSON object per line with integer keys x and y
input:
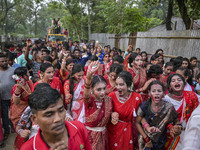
{"x": 123, "y": 17}
{"x": 187, "y": 9}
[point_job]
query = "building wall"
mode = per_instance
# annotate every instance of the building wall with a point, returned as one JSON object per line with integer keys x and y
{"x": 176, "y": 43}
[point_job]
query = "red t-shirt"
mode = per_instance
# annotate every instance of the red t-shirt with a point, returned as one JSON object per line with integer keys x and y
{"x": 78, "y": 138}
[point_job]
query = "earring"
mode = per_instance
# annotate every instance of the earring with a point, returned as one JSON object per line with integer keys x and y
{"x": 41, "y": 76}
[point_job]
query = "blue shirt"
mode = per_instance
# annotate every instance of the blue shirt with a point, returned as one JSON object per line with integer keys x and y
{"x": 22, "y": 61}
{"x": 82, "y": 60}
{"x": 15, "y": 65}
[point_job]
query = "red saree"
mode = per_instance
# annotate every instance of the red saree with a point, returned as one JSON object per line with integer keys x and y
{"x": 139, "y": 78}
{"x": 17, "y": 110}
{"x": 109, "y": 87}
{"x": 190, "y": 102}
{"x": 55, "y": 84}
{"x": 77, "y": 108}
{"x": 126, "y": 62}
{"x": 121, "y": 134}
{"x": 64, "y": 75}
{"x": 163, "y": 79}
{"x": 98, "y": 117}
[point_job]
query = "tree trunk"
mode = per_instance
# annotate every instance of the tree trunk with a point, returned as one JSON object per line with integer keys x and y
{"x": 169, "y": 15}
{"x": 76, "y": 27}
{"x": 184, "y": 14}
{"x": 89, "y": 23}
{"x": 35, "y": 13}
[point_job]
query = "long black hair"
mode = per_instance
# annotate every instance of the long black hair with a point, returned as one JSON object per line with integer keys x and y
{"x": 77, "y": 68}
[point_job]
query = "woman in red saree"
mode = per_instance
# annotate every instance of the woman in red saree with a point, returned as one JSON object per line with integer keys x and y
{"x": 73, "y": 89}
{"x": 98, "y": 108}
{"x": 184, "y": 103}
{"x": 144, "y": 57}
{"x": 47, "y": 76}
{"x": 19, "y": 101}
{"x": 168, "y": 68}
{"x": 125, "y": 103}
{"x": 136, "y": 70}
{"x": 66, "y": 68}
{"x": 115, "y": 69}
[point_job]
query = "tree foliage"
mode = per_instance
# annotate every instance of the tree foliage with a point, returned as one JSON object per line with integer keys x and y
{"x": 33, "y": 18}
{"x": 186, "y": 9}
{"x": 124, "y": 17}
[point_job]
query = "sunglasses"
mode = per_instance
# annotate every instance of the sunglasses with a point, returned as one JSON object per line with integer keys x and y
{"x": 106, "y": 56}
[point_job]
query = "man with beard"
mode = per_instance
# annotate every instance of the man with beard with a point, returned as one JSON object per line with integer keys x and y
{"x": 6, "y": 84}
{"x": 55, "y": 133}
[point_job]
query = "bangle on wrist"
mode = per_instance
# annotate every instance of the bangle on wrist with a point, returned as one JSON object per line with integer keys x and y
{"x": 146, "y": 140}
{"x": 145, "y": 125}
{"x": 169, "y": 126}
{"x": 89, "y": 77}
{"x": 87, "y": 84}
{"x": 87, "y": 87}
{"x": 19, "y": 131}
{"x": 17, "y": 95}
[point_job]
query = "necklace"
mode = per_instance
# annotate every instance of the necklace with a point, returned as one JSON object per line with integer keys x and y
{"x": 124, "y": 99}
{"x": 98, "y": 103}
{"x": 177, "y": 97}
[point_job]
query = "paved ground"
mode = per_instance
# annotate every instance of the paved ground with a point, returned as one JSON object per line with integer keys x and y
{"x": 10, "y": 142}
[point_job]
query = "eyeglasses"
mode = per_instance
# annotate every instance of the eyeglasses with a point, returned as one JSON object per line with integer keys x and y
{"x": 106, "y": 56}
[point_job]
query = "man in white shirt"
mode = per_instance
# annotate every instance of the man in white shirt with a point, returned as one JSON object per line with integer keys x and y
{"x": 192, "y": 133}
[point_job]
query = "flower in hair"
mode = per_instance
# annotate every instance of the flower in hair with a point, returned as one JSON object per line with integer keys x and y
{"x": 16, "y": 77}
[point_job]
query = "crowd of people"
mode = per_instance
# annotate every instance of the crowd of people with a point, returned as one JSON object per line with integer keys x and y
{"x": 84, "y": 96}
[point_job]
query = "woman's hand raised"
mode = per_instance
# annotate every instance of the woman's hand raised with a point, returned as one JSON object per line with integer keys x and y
{"x": 93, "y": 67}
